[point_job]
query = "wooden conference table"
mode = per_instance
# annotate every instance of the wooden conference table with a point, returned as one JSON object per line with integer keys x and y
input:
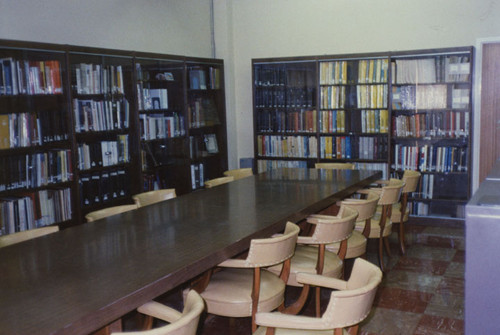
{"x": 85, "y": 277}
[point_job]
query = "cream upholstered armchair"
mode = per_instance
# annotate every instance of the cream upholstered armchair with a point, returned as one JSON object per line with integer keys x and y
{"x": 400, "y": 211}
{"x": 242, "y": 286}
{"x": 104, "y": 213}
{"x": 348, "y": 306}
{"x": 337, "y": 166}
{"x": 356, "y": 243}
{"x": 14, "y": 238}
{"x": 218, "y": 181}
{"x": 312, "y": 257}
{"x": 152, "y": 197}
{"x": 380, "y": 224}
{"x": 239, "y": 173}
{"x": 185, "y": 323}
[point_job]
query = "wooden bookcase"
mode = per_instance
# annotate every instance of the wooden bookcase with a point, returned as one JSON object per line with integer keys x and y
{"x": 363, "y": 108}
{"x": 85, "y": 128}
{"x": 431, "y": 127}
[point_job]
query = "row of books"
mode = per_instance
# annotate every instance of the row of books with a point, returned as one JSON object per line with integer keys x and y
{"x": 289, "y": 97}
{"x": 156, "y": 73}
{"x": 101, "y": 187}
{"x": 353, "y": 72}
{"x": 159, "y": 126}
{"x": 435, "y": 123}
{"x": 104, "y": 153}
{"x": 202, "y": 112}
{"x": 101, "y": 115}
{"x": 30, "y": 77}
{"x": 34, "y": 210}
{"x": 438, "y": 69}
{"x": 357, "y": 121}
{"x": 287, "y": 146}
{"x": 36, "y": 170}
{"x": 425, "y": 187}
{"x": 359, "y": 96}
{"x": 419, "y": 97}
{"x": 353, "y": 147}
{"x": 151, "y": 98}
{"x": 302, "y": 120}
{"x": 430, "y": 158}
{"x": 198, "y": 78}
{"x": 269, "y": 165}
{"x": 30, "y": 129}
{"x": 300, "y": 75}
{"x": 201, "y": 146}
{"x": 197, "y": 176}
{"x": 98, "y": 79}
{"x": 419, "y": 208}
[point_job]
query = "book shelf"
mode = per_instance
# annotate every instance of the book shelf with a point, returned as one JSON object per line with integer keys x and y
{"x": 101, "y": 94}
{"x": 431, "y": 127}
{"x": 384, "y": 111}
{"x": 207, "y": 138}
{"x": 35, "y": 155}
{"x": 84, "y": 128}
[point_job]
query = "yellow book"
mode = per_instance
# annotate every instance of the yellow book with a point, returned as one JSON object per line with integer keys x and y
{"x": 4, "y": 131}
{"x": 370, "y": 72}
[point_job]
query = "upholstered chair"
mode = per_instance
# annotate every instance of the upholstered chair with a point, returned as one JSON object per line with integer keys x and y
{"x": 6, "y": 240}
{"x": 350, "y": 303}
{"x": 381, "y": 224}
{"x": 337, "y": 166}
{"x": 185, "y": 323}
{"x": 241, "y": 287}
{"x": 218, "y": 181}
{"x": 152, "y": 197}
{"x": 103, "y": 213}
{"x": 239, "y": 173}
{"x": 312, "y": 257}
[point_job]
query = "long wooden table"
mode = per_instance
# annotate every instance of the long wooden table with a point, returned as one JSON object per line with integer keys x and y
{"x": 83, "y": 278}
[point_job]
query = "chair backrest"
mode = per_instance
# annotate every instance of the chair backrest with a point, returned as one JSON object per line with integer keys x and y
{"x": 337, "y": 166}
{"x": 185, "y": 323}
{"x": 366, "y": 208}
{"x": 103, "y": 213}
{"x": 391, "y": 192}
{"x": 273, "y": 250}
{"x": 152, "y": 197}
{"x": 14, "y": 238}
{"x": 218, "y": 181}
{"x": 410, "y": 178}
{"x": 331, "y": 229}
{"x": 239, "y": 173}
{"x": 350, "y": 306}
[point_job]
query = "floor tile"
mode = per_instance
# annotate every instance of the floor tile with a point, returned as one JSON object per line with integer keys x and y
{"x": 412, "y": 281}
{"x": 402, "y": 300}
{"x": 456, "y": 270}
{"x": 384, "y": 321}
{"x": 432, "y": 253}
{"x": 459, "y": 256}
{"x": 450, "y": 285}
{"x": 421, "y": 265}
{"x": 439, "y": 326}
{"x": 446, "y": 305}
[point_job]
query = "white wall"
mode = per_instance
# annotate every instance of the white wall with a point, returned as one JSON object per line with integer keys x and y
{"x": 180, "y": 27}
{"x": 278, "y": 28}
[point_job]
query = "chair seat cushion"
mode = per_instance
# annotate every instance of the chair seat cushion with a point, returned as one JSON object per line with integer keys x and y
{"x": 229, "y": 292}
{"x": 305, "y": 259}
{"x": 375, "y": 227}
{"x": 356, "y": 245}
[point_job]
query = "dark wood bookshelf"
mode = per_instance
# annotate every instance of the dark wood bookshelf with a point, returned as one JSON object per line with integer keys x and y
{"x": 170, "y": 168}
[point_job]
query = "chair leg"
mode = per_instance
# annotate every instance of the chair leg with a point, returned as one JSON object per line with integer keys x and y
{"x": 318, "y": 301}
{"x": 381, "y": 254}
{"x": 401, "y": 236}
{"x": 387, "y": 247}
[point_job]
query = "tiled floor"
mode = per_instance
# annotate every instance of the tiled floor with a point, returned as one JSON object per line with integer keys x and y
{"x": 422, "y": 292}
